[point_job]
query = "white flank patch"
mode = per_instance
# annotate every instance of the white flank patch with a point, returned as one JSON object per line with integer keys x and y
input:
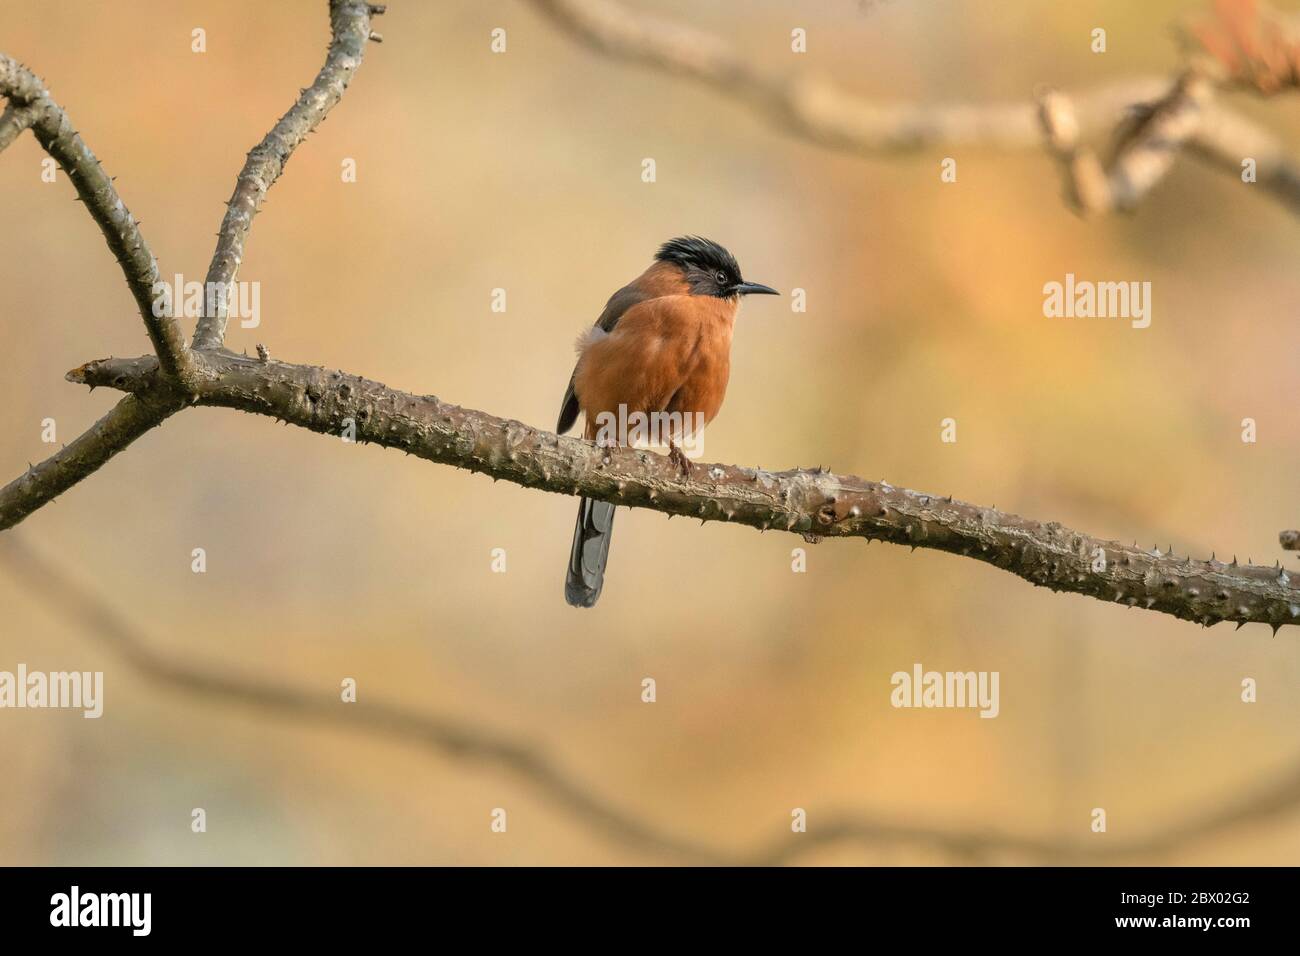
{"x": 588, "y": 338}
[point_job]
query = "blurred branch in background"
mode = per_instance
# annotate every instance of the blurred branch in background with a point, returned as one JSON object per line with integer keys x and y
{"x": 1144, "y": 156}
{"x": 820, "y": 111}
{"x": 61, "y": 593}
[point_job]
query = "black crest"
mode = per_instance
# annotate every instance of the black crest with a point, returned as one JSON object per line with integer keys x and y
{"x": 702, "y": 254}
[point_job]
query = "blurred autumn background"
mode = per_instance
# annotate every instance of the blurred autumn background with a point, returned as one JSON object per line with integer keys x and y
{"x": 522, "y": 170}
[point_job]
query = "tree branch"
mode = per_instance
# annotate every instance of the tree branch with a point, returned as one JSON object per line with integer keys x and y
{"x": 814, "y": 503}
{"x": 1225, "y": 139}
{"x": 823, "y": 113}
{"x": 350, "y": 29}
{"x": 447, "y": 736}
{"x": 13, "y": 121}
{"x": 461, "y": 740}
{"x": 30, "y": 106}
{"x": 54, "y": 131}
{"x": 1277, "y": 798}
{"x": 1144, "y": 156}
{"x": 814, "y": 109}
{"x": 40, "y": 484}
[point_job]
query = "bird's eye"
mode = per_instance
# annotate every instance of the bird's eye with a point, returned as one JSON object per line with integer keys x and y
{"x": 722, "y": 278}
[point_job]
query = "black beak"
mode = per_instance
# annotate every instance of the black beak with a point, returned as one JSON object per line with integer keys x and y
{"x": 752, "y": 288}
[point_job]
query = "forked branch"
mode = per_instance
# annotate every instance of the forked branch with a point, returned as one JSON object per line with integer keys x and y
{"x": 29, "y": 106}
{"x": 821, "y": 112}
{"x": 814, "y": 504}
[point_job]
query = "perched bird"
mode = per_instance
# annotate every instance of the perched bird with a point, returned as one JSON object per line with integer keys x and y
{"x": 663, "y": 344}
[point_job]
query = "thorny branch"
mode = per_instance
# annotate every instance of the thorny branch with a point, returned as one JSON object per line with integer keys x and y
{"x": 30, "y": 105}
{"x": 814, "y": 503}
{"x": 811, "y": 502}
{"x": 454, "y": 739}
{"x": 13, "y": 121}
{"x": 350, "y": 29}
{"x": 128, "y": 420}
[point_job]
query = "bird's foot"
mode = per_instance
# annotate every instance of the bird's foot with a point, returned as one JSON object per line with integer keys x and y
{"x": 606, "y": 445}
{"x": 678, "y": 458}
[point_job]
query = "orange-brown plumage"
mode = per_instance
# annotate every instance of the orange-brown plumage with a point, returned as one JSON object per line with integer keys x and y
{"x": 667, "y": 354}
{"x": 662, "y": 344}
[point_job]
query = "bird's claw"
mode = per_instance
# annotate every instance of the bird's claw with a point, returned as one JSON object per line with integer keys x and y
{"x": 678, "y": 458}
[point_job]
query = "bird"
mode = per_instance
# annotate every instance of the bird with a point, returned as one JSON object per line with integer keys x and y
{"x": 661, "y": 345}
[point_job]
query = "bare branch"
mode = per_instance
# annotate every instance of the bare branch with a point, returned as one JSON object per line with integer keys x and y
{"x": 30, "y": 105}
{"x": 54, "y": 131}
{"x": 814, "y": 503}
{"x": 350, "y": 29}
{"x": 13, "y": 121}
{"x": 823, "y": 113}
{"x": 814, "y": 109}
{"x": 1144, "y": 155}
{"x": 1277, "y": 798}
{"x": 450, "y": 737}
{"x": 1227, "y": 139}
{"x": 40, "y": 484}
{"x": 459, "y": 739}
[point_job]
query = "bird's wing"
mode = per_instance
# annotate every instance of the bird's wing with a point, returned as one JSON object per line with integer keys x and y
{"x": 646, "y": 360}
{"x": 622, "y": 300}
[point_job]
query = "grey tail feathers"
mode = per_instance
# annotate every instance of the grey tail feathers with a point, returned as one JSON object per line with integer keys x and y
{"x": 589, "y": 553}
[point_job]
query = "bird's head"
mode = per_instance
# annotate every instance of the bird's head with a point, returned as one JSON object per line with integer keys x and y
{"x": 708, "y": 268}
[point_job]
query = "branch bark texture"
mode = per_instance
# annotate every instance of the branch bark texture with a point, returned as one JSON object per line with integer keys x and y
{"x": 350, "y": 29}
{"x": 128, "y": 420}
{"x": 31, "y": 105}
{"x": 812, "y": 502}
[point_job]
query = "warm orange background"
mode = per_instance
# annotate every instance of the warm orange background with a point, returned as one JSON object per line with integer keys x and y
{"x": 523, "y": 170}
